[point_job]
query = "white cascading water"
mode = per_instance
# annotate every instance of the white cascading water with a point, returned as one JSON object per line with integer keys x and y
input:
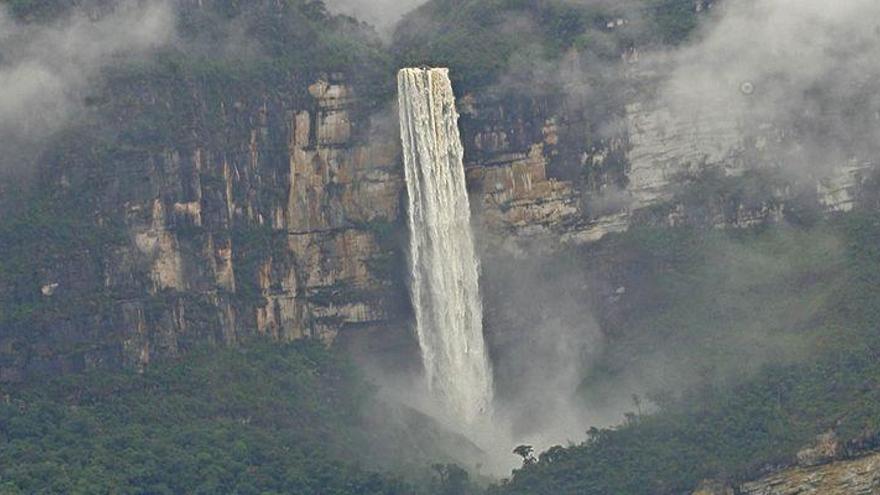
{"x": 445, "y": 272}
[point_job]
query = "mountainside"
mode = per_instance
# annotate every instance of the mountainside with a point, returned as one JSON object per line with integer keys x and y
{"x": 748, "y": 345}
{"x": 671, "y": 220}
{"x": 259, "y": 191}
{"x": 853, "y": 477}
{"x": 203, "y": 199}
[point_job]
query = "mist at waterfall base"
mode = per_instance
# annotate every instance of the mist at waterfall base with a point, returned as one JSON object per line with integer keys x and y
{"x": 457, "y": 387}
{"x": 543, "y": 337}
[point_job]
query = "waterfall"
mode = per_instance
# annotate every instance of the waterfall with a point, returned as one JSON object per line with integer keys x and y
{"x": 443, "y": 264}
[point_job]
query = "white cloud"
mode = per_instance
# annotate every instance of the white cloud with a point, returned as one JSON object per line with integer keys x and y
{"x": 44, "y": 69}
{"x": 381, "y": 13}
{"x": 785, "y": 62}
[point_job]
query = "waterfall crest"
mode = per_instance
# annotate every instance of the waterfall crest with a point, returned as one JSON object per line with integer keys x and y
{"x": 443, "y": 264}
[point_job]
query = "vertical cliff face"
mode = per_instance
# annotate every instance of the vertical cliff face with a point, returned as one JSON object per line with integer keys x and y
{"x": 224, "y": 212}
{"x": 259, "y": 212}
{"x": 220, "y": 205}
{"x": 532, "y": 163}
{"x": 544, "y": 176}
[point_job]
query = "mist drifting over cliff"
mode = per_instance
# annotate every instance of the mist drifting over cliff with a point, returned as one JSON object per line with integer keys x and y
{"x": 760, "y": 87}
{"x": 807, "y": 65}
{"x": 46, "y": 69}
{"x": 671, "y": 205}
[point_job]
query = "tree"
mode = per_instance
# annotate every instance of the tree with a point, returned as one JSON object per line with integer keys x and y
{"x": 527, "y": 452}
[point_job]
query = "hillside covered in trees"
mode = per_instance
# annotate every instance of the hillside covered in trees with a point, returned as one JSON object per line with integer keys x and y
{"x": 733, "y": 346}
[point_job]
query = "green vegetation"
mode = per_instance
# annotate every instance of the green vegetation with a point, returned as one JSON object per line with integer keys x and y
{"x": 295, "y": 40}
{"x": 714, "y": 305}
{"x": 265, "y": 418}
{"x": 673, "y": 21}
{"x": 773, "y": 332}
{"x": 254, "y": 247}
{"x": 228, "y": 44}
{"x": 481, "y": 39}
{"x": 41, "y": 229}
{"x": 766, "y": 338}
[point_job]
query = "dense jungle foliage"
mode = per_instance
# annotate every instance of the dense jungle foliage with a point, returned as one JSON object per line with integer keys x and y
{"x": 260, "y": 419}
{"x": 483, "y": 40}
{"x": 261, "y": 43}
{"x": 774, "y": 333}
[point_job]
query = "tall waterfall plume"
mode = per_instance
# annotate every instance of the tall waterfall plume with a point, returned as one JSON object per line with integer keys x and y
{"x": 443, "y": 264}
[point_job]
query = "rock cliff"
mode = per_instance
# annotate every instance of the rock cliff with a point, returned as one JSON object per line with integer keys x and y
{"x": 829, "y": 467}
{"x": 544, "y": 175}
{"x": 273, "y": 214}
{"x": 259, "y": 211}
{"x": 225, "y": 205}
{"x": 855, "y": 476}
{"x": 859, "y": 476}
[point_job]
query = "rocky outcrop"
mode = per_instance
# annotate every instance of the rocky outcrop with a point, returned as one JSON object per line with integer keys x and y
{"x": 664, "y": 171}
{"x": 710, "y": 487}
{"x": 512, "y": 145}
{"x": 827, "y": 449}
{"x": 829, "y": 467}
{"x": 518, "y": 201}
{"x": 858, "y": 476}
{"x": 839, "y": 190}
